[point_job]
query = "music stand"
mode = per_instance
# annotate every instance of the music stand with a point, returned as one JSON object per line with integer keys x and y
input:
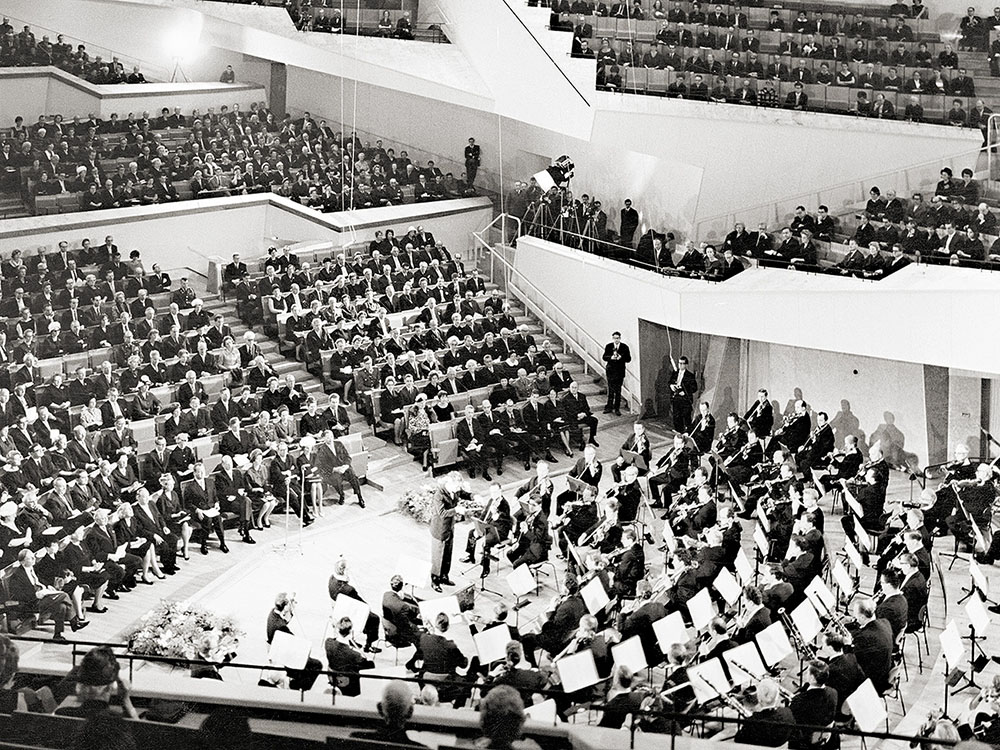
{"x": 636, "y": 459}
{"x": 977, "y": 584}
{"x": 482, "y": 528}
{"x": 285, "y": 547}
{"x": 979, "y": 621}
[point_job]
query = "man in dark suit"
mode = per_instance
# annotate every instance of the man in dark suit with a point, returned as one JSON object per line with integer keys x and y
{"x": 631, "y": 566}
{"x": 278, "y": 620}
{"x": 873, "y": 643}
{"x": 815, "y": 703}
{"x": 616, "y": 357}
{"x": 200, "y": 502}
{"x": 629, "y": 222}
{"x": 819, "y": 445}
{"x": 844, "y": 673}
{"x": 794, "y": 430}
{"x": 760, "y": 415}
{"x": 442, "y": 660}
{"x": 401, "y": 618}
{"x": 755, "y": 617}
{"x": 339, "y": 585}
{"x": 342, "y": 656}
{"x": 683, "y": 386}
{"x": 893, "y": 607}
{"x": 798, "y": 568}
{"x": 234, "y": 270}
{"x": 31, "y": 595}
{"x": 769, "y": 723}
{"x": 395, "y": 708}
{"x": 442, "y": 527}
{"x": 472, "y": 444}
{"x": 914, "y": 585}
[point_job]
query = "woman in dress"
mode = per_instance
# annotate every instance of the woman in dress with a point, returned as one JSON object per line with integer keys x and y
{"x": 229, "y": 362}
{"x": 90, "y": 415}
{"x": 258, "y": 483}
{"x": 418, "y": 424}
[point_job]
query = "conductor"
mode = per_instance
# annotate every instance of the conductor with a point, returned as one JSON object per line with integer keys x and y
{"x": 444, "y": 508}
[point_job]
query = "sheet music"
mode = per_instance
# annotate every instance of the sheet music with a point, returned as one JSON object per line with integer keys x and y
{"x": 670, "y": 630}
{"x": 853, "y": 504}
{"x": 977, "y": 577}
{"x": 594, "y": 595}
{"x": 345, "y": 606}
{"x": 431, "y": 608}
{"x": 544, "y": 712}
{"x": 701, "y": 609}
{"x": 578, "y": 671}
{"x": 978, "y": 615}
{"x": 762, "y": 518}
{"x": 774, "y": 644}
{"x": 951, "y": 645}
{"x": 853, "y": 555}
{"x": 820, "y": 595}
{"x": 843, "y": 579}
{"x": 629, "y": 653}
{"x": 491, "y": 644}
{"x": 744, "y": 664}
{"x": 806, "y": 621}
{"x": 744, "y": 570}
{"x": 289, "y": 650}
{"x": 867, "y": 708}
{"x": 521, "y": 581}
{"x": 760, "y": 539}
{"x": 727, "y": 586}
{"x": 708, "y": 680}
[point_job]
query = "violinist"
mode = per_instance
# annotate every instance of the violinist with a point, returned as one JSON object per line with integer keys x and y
{"x": 526, "y": 681}
{"x": 628, "y": 494}
{"x": 538, "y": 487}
{"x": 703, "y": 429}
{"x": 606, "y": 534}
{"x": 814, "y": 704}
{"x": 843, "y": 464}
{"x": 588, "y": 470}
{"x": 982, "y": 719}
{"x": 958, "y": 470}
{"x": 690, "y": 519}
{"x": 740, "y": 465}
{"x": 499, "y": 524}
{"x": 734, "y": 438}
{"x": 794, "y": 430}
{"x": 531, "y": 545}
{"x": 810, "y": 533}
{"x": 638, "y": 443}
{"x": 977, "y": 496}
{"x": 871, "y": 498}
{"x": 770, "y": 479}
{"x": 671, "y": 471}
{"x": 760, "y": 415}
{"x": 575, "y": 519}
{"x": 561, "y": 618}
{"x": 639, "y": 620}
{"x": 818, "y": 446}
{"x": 623, "y": 698}
{"x": 631, "y": 566}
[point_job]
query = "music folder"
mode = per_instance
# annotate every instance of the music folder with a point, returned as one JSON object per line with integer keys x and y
{"x": 578, "y": 671}
{"x": 288, "y": 650}
{"x": 577, "y": 485}
{"x": 631, "y": 457}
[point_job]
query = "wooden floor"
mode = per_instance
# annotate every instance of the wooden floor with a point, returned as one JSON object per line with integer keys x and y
{"x": 374, "y": 540}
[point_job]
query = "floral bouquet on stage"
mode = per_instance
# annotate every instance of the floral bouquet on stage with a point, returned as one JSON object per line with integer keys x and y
{"x": 416, "y": 503}
{"x": 184, "y": 631}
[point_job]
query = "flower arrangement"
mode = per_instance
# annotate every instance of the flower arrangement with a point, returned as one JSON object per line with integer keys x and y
{"x": 183, "y": 631}
{"x": 416, "y": 503}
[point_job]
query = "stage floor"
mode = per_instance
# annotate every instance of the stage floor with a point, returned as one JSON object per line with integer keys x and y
{"x": 244, "y": 584}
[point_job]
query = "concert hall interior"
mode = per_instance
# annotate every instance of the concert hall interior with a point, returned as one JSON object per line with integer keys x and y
{"x": 559, "y": 374}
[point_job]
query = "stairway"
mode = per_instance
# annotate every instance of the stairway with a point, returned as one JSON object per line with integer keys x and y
{"x": 12, "y": 207}
{"x": 388, "y": 464}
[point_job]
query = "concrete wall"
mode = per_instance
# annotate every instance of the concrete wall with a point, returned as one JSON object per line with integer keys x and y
{"x": 900, "y": 318}
{"x": 48, "y": 91}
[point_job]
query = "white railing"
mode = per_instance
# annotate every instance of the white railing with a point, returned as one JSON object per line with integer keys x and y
{"x": 494, "y": 239}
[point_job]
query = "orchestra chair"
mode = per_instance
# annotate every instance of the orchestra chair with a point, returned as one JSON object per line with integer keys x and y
{"x": 538, "y": 568}
{"x": 898, "y": 655}
{"x": 916, "y": 629}
{"x": 391, "y": 638}
{"x": 893, "y": 692}
{"x": 936, "y": 565}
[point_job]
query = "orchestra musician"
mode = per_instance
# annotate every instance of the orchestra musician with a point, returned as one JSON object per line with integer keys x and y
{"x": 683, "y": 386}
{"x": 818, "y": 446}
{"x": 690, "y": 519}
{"x": 539, "y": 487}
{"x": 531, "y": 543}
{"x": 628, "y": 494}
{"x": 638, "y": 443}
{"x": 959, "y": 470}
{"x": 770, "y": 724}
{"x": 631, "y": 566}
{"x": 703, "y": 429}
{"x": 733, "y": 439}
{"x": 588, "y": 470}
{"x": 639, "y": 618}
{"x": 844, "y": 673}
{"x": 562, "y": 616}
{"x": 740, "y": 465}
{"x": 843, "y": 464}
{"x": 977, "y": 497}
{"x": 499, "y": 525}
{"x": 794, "y": 430}
{"x": 893, "y": 607}
{"x": 873, "y": 643}
{"x": 814, "y": 704}
{"x": 575, "y": 519}
{"x": 871, "y": 498}
{"x": 754, "y": 617}
{"x": 913, "y": 587}
{"x": 760, "y": 415}
{"x": 670, "y": 472}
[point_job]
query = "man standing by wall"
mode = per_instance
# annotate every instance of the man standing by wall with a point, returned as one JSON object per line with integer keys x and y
{"x": 628, "y": 224}
{"x": 472, "y": 158}
{"x": 616, "y": 356}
